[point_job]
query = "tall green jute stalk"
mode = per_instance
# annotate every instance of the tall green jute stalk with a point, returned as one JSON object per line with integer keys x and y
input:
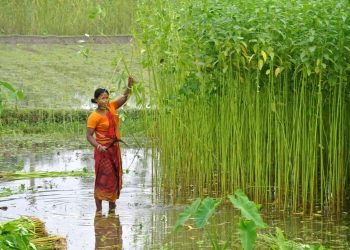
{"x": 247, "y": 101}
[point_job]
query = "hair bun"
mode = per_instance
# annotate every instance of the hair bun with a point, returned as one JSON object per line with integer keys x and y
{"x": 93, "y": 100}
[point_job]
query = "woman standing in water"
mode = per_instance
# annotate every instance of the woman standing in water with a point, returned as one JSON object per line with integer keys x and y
{"x": 103, "y": 133}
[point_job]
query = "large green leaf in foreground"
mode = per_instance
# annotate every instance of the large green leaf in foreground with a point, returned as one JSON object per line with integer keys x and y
{"x": 187, "y": 213}
{"x": 205, "y": 210}
{"x": 248, "y": 208}
{"x": 247, "y": 231}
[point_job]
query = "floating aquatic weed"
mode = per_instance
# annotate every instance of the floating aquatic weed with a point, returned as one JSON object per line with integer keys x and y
{"x": 22, "y": 175}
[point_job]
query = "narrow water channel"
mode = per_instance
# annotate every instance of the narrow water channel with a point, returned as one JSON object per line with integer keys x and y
{"x": 141, "y": 220}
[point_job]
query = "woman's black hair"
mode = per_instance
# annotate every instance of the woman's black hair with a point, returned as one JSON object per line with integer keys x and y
{"x": 98, "y": 92}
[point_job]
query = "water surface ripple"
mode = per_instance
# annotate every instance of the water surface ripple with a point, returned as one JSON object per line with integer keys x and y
{"x": 141, "y": 221}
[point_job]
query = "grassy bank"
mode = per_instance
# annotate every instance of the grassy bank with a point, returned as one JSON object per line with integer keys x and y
{"x": 65, "y": 76}
{"x": 61, "y": 123}
{"x": 26, "y": 131}
{"x": 44, "y": 17}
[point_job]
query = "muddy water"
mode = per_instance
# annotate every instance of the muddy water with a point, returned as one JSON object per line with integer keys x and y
{"x": 67, "y": 205}
{"x": 141, "y": 220}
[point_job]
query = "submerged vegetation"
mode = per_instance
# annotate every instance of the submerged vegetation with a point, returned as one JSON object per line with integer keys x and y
{"x": 6, "y": 191}
{"x": 21, "y": 175}
{"x": 54, "y": 17}
{"x": 202, "y": 210}
{"x": 252, "y": 95}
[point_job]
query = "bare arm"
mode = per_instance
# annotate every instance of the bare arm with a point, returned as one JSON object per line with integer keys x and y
{"x": 90, "y": 137}
{"x": 121, "y": 100}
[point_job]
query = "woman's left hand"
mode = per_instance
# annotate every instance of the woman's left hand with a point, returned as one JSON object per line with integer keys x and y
{"x": 101, "y": 148}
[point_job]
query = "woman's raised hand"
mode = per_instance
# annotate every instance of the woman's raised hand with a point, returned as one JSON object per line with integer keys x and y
{"x": 130, "y": 82}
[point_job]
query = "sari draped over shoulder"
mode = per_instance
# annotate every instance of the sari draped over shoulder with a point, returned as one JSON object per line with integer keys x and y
{"x": 108, "y": 166}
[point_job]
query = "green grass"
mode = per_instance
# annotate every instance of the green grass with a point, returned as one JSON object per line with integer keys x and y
{"x": 54, "y": 17}
{"x": 60, "y": 76}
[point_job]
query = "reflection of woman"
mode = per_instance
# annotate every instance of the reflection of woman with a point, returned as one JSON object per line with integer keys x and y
{"x": 104, "y": 124}
{"x": 108, "y": 231}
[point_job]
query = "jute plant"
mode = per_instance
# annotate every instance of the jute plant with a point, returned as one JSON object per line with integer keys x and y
{"x": 251, "y": 94}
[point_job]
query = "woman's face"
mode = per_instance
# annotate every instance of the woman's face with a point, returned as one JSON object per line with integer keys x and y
{"x": 103, "y": 100}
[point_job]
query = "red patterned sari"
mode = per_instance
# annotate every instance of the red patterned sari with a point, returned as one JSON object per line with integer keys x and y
{"x": 108, "y": 166}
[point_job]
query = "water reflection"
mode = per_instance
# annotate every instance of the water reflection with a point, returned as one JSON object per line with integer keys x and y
{"x": 32, "y": 186}
{"x": 67, "y": 206}
{"x": 108, "y": 231}
{"x": 54, "y": 160}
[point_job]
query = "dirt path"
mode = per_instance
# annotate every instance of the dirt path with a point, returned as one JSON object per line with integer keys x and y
{"x": 65, "y": 39}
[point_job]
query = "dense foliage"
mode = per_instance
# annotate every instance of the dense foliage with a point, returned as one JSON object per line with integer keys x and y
{"x": 252, "y": 94}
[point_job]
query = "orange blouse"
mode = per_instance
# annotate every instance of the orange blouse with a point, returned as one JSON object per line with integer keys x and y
{"x": 100, "y": 123}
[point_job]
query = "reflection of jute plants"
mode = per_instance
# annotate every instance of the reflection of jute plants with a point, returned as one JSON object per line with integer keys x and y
{"x": 251, "y": 94}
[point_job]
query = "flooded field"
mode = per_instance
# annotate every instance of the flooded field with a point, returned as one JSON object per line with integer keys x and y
{"x": 141, "y": 220}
